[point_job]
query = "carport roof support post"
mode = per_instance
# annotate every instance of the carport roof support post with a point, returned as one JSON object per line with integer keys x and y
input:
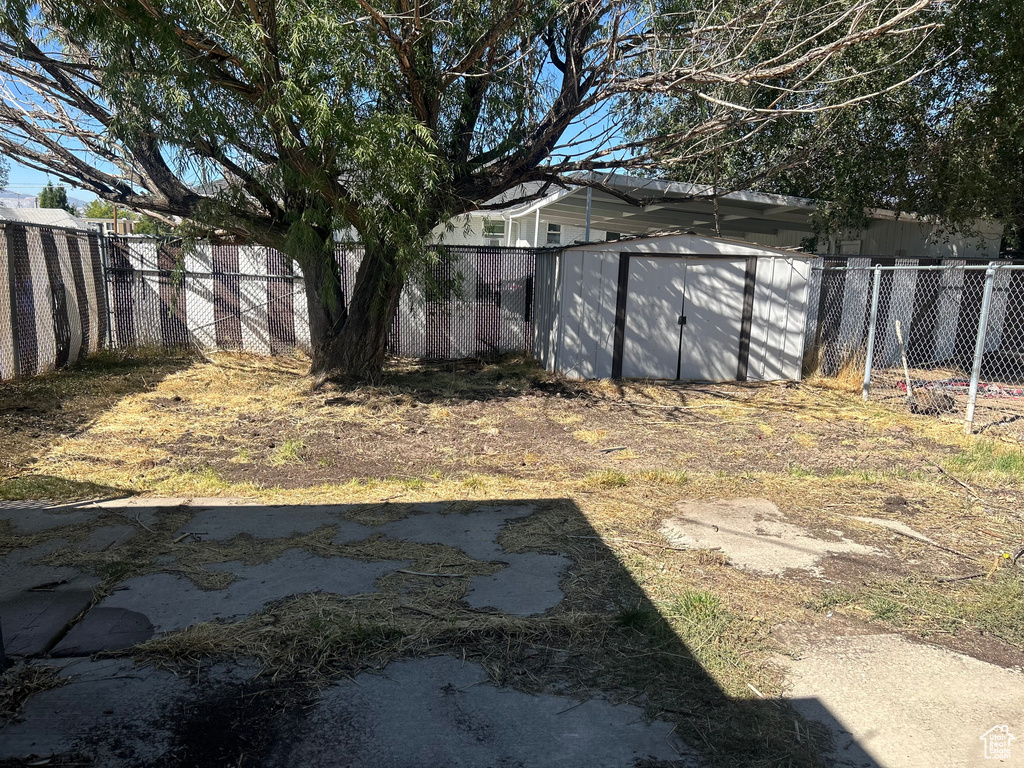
{"x": 979, "y": 346}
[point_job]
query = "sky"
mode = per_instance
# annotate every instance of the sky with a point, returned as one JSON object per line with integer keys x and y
{"x": 27, "y": 181}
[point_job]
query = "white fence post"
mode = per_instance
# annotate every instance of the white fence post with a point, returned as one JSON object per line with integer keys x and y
{"x": 979, "y": 347}
{"x": 872, "y": 323}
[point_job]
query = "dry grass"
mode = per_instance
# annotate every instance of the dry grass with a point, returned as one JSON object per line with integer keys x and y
{"x": 22, "y": 681}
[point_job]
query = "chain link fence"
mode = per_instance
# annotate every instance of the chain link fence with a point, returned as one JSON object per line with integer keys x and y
{"x": 65, "y": 293}
{"x": 943, "y": 338}
{"x": 53, "y": 306}
{"x": 466, "y": 302}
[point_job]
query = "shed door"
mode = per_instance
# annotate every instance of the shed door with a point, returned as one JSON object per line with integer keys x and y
{"x": 654, "y": 300}
{"x": 661, "y": 291}
{"x": 713, "y": 307}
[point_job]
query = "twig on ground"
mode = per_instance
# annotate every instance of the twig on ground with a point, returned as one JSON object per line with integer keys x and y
{"x": 961, "y": 578}
{"x": 612, "y": 449}
{"x": 443, "y": 575}
{"x": 138, "y": 522}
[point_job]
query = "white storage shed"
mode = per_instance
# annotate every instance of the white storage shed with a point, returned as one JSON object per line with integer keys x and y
{"x": 679, "y": 307}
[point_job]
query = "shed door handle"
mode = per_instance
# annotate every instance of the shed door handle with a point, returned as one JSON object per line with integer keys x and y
{"x": 682, "y": 319}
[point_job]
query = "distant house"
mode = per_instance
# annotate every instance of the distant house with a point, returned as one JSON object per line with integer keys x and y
{"x": 560, "y": 217}
{"x": 52, "y": 217}
{"x": 123, "y": 226}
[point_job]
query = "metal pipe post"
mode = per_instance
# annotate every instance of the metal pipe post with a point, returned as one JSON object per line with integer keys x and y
{"x": 979, "y": 347}
{"x": 872, "y": 323}
{"x": 590, "y": 194}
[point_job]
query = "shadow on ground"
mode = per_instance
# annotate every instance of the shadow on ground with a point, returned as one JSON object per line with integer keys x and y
{"x": 36, "y": 412}
{"x": 205, "y": 633}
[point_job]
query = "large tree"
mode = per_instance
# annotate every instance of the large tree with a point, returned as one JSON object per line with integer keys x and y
{"x": 948, "y": 144}
{"x": 284, "y": 121}
{"x": 55, "y": 197}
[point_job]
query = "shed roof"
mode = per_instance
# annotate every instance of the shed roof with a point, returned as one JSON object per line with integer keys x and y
{"x": 53, "y": 217}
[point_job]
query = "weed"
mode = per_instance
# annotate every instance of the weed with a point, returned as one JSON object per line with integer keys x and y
{"x": 988, "y": 460}
{"x": 665, "y": 477}
{"x": 289, "y": 452}
{"x": 607, "y": 478}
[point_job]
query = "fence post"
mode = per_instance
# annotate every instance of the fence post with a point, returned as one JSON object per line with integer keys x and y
{"x": 105, "y": 259}
{"x": 872, "y": 323}
{"x": 979, "y": 347}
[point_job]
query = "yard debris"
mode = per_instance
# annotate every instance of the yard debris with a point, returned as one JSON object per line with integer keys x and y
{"x": 903, "y": 530}
{"x": 612, "y": 449}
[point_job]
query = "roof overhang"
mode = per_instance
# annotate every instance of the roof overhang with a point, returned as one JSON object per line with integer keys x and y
{"x": 666, "y": 205}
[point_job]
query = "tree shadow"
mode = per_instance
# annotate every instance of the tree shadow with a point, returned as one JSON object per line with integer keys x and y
{"x": 605, "y": 638}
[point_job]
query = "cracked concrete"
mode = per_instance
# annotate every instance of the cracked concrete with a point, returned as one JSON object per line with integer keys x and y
{"x": 754, "y": 535}
{"x": 171, "y": 601}
{"x": 445, "y": 712}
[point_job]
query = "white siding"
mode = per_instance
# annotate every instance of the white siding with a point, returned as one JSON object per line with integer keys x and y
{"x": 469, "y": 230}
{"x": 576, "y": 330}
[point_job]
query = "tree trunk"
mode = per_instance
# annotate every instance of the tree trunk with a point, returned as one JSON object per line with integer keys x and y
{"x": 356, "y": 350}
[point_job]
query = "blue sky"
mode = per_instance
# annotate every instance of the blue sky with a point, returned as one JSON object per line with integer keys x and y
{"x": 27, "y": 181}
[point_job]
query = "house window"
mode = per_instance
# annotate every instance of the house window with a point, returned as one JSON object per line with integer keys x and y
{"x": 554, "y": 234}
{"x": 494, "y": 231}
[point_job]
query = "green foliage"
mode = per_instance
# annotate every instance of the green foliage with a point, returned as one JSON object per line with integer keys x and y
{"x": 55, "y": 197}
{"x": 98, "y": 209}
{"x": 947, "y": 144}
{"x": 147, "y": 225}
{"x": 987, "y": 460}
{"x": 286, "y": 123}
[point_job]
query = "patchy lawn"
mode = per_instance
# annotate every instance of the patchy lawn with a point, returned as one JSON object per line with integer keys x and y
{"x": 623, "y": 455}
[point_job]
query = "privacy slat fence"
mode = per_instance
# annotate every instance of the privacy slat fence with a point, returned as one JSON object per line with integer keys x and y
{"x": 53, "y": 307}
{"x": 65, "y": 293}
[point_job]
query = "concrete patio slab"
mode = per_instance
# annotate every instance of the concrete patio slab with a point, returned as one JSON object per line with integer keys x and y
{"x": 107, "y": 537}
{"x": 41, "y": 516}
{"x": 270, "y": 522}
{"x": 894, "y": 703}
{"x": 104, "y": 629}
{"x": 171, "y": 601}
{"x": 528, "y": 585}
{"x": 443, "y": 712}
{"x": 754, "y": 535}
{"x": 110, "y": 711}
{"x": 33, "y": 621}
{"x": 18, "y": 573}
{"x": 475, "y": 533}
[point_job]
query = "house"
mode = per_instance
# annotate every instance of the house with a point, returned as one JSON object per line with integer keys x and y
{"x": 672, "y": 307}
{"x": 122, "y": 225}
{"x": 562, "y": 217}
